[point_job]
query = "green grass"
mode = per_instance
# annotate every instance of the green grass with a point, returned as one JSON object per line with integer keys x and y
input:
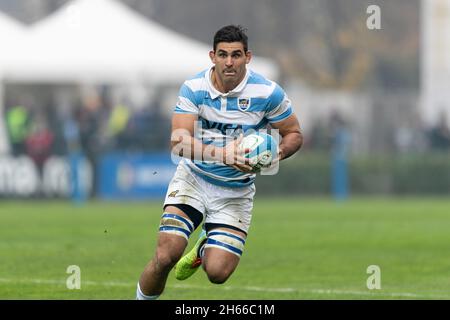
{"x": 296, "y": 249}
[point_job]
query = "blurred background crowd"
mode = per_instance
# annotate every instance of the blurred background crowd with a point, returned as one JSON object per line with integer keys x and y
{"x": 384, "y": 89}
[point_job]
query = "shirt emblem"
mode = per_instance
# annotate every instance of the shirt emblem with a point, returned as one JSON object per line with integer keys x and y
{"x": 243, "y": 103}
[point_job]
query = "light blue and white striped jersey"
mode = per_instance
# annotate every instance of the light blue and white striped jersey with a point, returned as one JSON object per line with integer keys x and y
{"x": 253, "y": 104}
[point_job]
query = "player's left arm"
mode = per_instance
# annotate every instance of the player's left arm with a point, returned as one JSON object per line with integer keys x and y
{"x": 292, "y": 137}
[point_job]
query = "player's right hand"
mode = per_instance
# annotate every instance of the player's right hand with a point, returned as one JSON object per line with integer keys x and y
{"x": 234, "y": 155}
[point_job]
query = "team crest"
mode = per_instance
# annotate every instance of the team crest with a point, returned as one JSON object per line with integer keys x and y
{"x": 243, "y": 103}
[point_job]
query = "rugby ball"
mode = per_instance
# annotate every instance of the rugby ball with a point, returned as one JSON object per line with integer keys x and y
{"x": 262, "y": 149}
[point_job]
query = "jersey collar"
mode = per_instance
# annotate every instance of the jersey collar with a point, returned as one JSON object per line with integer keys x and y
{"x": 215, "y": 93}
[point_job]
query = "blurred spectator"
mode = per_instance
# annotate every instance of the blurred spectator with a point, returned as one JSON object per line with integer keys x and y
{"x": 90, "y": 128}
{"x": 39, "y": 142}
{"x": 117, "y": 126}
{"x": 440, "y": 134}
{"x": 318, "y": 138}
{"x": 149, "y": 129}
{"x": 71, "y": 133}
{"x": 18, "y": 120}
{"x": 339, "y": 133}
{"x": 326, "y": 134}
{"x": 89, "y": 119}
{"x": 410, "y": 135}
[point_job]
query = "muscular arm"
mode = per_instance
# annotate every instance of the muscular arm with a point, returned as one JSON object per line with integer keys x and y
{"x": 184, "y": 144}
{"x": 292, "y": 138}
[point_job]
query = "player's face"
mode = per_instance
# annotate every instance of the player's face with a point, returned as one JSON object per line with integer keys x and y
{"x": 230, "y": 60}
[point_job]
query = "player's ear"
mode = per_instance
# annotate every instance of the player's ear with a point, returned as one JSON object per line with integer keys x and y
{"x": 212, "y": 56}
{"x": 248, "y": 56}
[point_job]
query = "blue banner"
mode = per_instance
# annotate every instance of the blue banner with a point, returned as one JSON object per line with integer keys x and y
{"x": 135, "y": 177}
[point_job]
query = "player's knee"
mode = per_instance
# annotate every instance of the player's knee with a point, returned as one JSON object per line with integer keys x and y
{"x": 166, "y": 259}
{"x": 218, "y": 277}
{"x": 218, "y": 274}
{"x": 223, "y": 257}
{"x": 217, "y": 280}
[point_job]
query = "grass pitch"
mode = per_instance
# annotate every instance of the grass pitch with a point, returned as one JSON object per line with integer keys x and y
{"x": 296, "y": 249}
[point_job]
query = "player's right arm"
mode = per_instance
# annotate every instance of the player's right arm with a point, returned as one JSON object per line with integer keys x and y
{"x": 184, "y": 143}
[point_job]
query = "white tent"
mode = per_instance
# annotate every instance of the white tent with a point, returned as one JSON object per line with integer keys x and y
{"x": 11, "y": 36}
{"x": 105, "y": 41}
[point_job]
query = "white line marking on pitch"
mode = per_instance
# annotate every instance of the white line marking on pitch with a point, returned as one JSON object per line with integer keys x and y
{"x": 245, "y": 288}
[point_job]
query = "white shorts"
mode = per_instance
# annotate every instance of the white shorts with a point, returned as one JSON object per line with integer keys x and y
{"x": 231, "y": 206}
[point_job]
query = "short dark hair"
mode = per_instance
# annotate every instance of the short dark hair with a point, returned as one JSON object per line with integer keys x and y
{"x": 231, "y": 33}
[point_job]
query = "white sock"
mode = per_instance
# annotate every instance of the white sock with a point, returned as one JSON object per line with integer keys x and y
{"x": 141, "y": 296}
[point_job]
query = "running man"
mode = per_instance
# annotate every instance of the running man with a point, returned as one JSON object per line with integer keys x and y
{"x": 226, "y": 101}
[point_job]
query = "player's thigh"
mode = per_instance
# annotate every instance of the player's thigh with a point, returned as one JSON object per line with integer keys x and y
{"x": 223, "y": 249}
{"x": 231, "y": 207}
{"x": 227, "y": 224}
{"x": 174, "y": 231}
